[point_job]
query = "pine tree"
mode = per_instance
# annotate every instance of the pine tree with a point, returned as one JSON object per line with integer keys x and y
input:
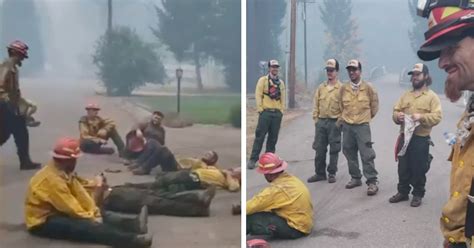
{"x": 183, "y": 27}
{"x": 341, "y": 32}
{"x": 264, "y": 27}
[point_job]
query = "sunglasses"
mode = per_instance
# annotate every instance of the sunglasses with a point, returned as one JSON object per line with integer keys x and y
{"x": 330, "y": 70}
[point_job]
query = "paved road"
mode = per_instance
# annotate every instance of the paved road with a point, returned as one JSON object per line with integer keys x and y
{"x": 350, "y": 218}
{"x": 60, "y": 105}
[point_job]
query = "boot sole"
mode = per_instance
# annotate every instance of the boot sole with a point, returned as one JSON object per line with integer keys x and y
{"x": 353, "y": 186}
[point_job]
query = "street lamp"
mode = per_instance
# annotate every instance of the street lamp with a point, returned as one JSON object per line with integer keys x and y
{"x": 179, "y": 75}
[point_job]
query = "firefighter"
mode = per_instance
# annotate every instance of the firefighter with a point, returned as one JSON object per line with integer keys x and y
{"x": 283, "y": 210}
{"x": 59, "y": 205}
{"x": 359, "y": 102}
{"x": 421, "y": 105}
{"x": 450, "y": 38}
{"x": 95, "y": 131}
{"x": 12, "y": 122}
{"x": 148, "y": 129}
{"x": 270, "y": 95}
{"x": 179, "y": 193}
{"x": 208, "y": 159}
{"x": 326, "y": 112}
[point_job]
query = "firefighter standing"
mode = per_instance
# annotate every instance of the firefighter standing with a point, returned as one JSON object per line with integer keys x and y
{"x": 270, "y": 97}
{"x": 326, "y": 111}
{"x": 451, "y": 39}
{"x": 423, "y": 106}
{"x": 360, "y": 103}
{"x": 12, "y": 122}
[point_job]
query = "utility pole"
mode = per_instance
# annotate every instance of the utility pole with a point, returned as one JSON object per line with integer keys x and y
{"x": 292, "y": 79}
{"x": 305, "y": 55}
{"x": 109, "y": 15}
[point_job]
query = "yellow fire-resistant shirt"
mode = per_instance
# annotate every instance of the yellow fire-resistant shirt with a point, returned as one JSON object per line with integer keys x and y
{"x": 427, "y": 104}
{"x": 193, "y": 164}
{"x": 9, "y": 85}
{"x": 89, "y": 128}
{"x": 287, "y": 197}
{"x": 216, "y": 177}
{"x": 359, "y": 106}
{"x": 453, "y": 217}
{"x": 263, "y": 100}
{"x": 326, "y": 101}
{"x": 52, "y": 192}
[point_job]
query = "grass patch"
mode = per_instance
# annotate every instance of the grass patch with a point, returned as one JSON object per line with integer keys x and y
{"x": 200, "y": 109}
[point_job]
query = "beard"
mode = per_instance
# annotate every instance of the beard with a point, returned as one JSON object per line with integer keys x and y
{"x": 452, "y": 91}
{"x": 418, "y": 85}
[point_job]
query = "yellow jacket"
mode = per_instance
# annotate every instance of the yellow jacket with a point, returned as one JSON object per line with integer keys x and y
{"x": 453, "y": 216}
{"x": 52, "y": 192}
{"x": 427, "y": 104}
{"x": 216, "y": 177}
{"x": 89, "y": 128}
{"x": 327, "y": 101}
{"x": 193, "y": 164}
{"x": 287, "y": 197}
{"x": 9, "y": 85}
{"x": 263, "y": 100}
{"x": 360, "y": 106}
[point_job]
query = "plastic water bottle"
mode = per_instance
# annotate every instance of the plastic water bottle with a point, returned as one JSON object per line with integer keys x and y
{"x": 450, "y": 138}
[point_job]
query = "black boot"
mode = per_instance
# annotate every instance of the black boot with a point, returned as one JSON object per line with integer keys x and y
{"x": 200, "y": 199}
{"x": 31, "y": 122}
{"x": 27, "y": 164}
{"x": 142, "y": 241}
{"x": 137, "y": 224}
{"x": 114, "y": 135}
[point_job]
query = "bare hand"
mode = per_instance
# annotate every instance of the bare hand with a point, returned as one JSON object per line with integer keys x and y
{"x": 401, "y": 117}
{"x": 416, "y": 116}
{"x": 102, "y": 133}
{"x": 103, "y": 141}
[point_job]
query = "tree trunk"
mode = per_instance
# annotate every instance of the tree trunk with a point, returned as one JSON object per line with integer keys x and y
{"x": 197, "y": 64}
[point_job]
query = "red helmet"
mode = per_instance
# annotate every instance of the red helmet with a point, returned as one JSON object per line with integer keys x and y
{"x": 67, "y": 148}
{"x": 446, "y": 23}
{"x": 20, "y": 47}
{"x": 270, "y": 163}
{"x": 93, "y": 106}
{"x": 257, "y": 243}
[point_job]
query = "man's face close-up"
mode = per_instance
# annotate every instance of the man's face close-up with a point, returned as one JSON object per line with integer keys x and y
{"x": 331, "y": 73}
{"x": 417, "y": 79}
{"x": 274, "y": 70}
{"x": 354, "y": 74}
{"x": 457, "y": 61}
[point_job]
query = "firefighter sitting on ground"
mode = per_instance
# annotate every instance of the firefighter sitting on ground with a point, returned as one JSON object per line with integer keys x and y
{"x": 61, "y": 205}
{"x": 95, "y": 131}
{"x": 283, "y": 210}
{"x": 27, "y": 108}
{"x": 178, "y": 193}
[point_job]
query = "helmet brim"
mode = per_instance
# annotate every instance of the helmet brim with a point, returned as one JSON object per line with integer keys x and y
{"x": 432, "y": 48}
{"x": 280, "y": 168}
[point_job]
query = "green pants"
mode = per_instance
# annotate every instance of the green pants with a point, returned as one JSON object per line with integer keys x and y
{"x": 272, "y": 226}
{"x": 268, "y": 122}
{"x": 357, "y": 138}
{"x": 326, "y": 134}
{"x": 129, "y": 199}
